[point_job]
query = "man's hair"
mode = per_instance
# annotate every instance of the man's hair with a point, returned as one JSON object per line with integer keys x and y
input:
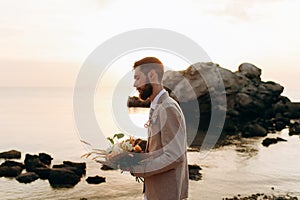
{"x": 148, "y": 63}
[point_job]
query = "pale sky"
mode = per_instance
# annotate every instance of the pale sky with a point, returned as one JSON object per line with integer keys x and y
{"x": 45, "y": 42}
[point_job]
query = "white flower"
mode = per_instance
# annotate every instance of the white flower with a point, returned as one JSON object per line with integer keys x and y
{"x": 126, "y": 146}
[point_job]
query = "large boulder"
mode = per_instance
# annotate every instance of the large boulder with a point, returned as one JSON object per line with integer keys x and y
{"x": 43, "y": 172}
{"x": 77, "y": 168}
{"x": 137, "y": 102}
{"x": 254, "y": 130}
{"x": 32, "y": 162}
{"x": 194, "y": 172}
{"x": 27, "y": 177}
{"x": 10, "y": 163}
{"x": 61, "y": 177}
{"x": 45, "y": 158}
{"x": 106, "y": 167}
{"x": 95, "y": 179}
{"x": 7, "y": 171}
{"x": 197, "y": 80}
{"x": 246, "y": 99}
{"x": 268, "y": 141}
{"x": 11, "y": 169}
{"x": 294, "y": 110}
{"x": 250, "y": 71}
{"x": 12, "y": 154}
{"x": 206, "y": 90}
{"x": 294, "y": 128}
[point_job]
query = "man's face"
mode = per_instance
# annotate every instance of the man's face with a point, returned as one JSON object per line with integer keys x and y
{"x": 142, "y": 84}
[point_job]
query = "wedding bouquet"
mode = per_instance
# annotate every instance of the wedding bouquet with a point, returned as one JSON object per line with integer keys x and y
{"x": 121, "y": 154}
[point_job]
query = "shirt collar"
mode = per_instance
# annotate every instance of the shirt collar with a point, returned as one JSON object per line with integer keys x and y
{"x": 155, "y": 100}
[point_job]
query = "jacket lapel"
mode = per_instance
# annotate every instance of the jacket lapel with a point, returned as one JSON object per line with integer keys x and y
{"x": 153, "y": 116}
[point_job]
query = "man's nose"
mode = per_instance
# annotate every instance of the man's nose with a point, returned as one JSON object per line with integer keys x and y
{"x": 135, "y": 84}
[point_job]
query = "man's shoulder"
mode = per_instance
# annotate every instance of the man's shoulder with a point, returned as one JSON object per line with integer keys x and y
{"x": 170, "y": 102}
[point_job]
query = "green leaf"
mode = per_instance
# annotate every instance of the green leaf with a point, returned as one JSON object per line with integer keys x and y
{"x": 111, "y": 140}
{"x": 118, "y": 135}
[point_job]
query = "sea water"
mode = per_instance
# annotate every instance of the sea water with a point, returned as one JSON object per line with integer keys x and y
{"x": 34, "y": 120}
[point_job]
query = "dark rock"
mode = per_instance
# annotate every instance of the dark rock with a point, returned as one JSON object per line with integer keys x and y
{"x": 32, "y": 162}
{"x": 95, "y": 180}
{"x": 8, "y": 171}
{"x": 263, "y": 196}
{"x": 27, "y": 177}
{"x": 136, "y": 102}
{"x": 12, "y": 154}
{"x": 245, "y": 99}
{"x": 294, "y": 129}
{"x": 74, "y": 164}
{"x": 254, "y": 130}
{"x": 10, "y": 163}
{"x": 279, "y": 139}
{"x": 250, "y": 70}
{"x": 11, "y": 168}
{"x": 106, "y": 167}
{"x": 63, "y": 178}
{"x": 280, "y": 125}
{"x": 78, "y": 168}
{"x": 77, "y": 171}
{"x": 197, "y": 167}
{"x": 294, "y": 110}
{"x": 272, "y": 88}
{"x": 268, "y": 141}
{"x": 42, "y": 172}
{"x": 194, "y": 173}
{"x": 45, "y": 158}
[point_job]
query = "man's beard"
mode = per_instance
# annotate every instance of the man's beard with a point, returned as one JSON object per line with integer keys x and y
{"x": 146, "y": 92}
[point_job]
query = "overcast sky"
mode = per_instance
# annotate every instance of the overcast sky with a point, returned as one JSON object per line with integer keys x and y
{"x": 45, "y": 42}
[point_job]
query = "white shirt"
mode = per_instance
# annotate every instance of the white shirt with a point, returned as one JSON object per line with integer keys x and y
{"x": 155, "y": 100}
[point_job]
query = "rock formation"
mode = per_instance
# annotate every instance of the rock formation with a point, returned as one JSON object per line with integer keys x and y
{"x": 11, "y": 154}
{"x": 67, "y": 174}
{"x": 251, "y": 107}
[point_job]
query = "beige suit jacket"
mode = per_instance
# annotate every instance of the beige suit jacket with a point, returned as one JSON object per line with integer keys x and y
{"x": 165, "y": 171}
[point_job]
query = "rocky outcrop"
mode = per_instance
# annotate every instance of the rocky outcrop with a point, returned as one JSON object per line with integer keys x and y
{"x": 11, "y": 169}
{"x": 106, "y": 167}
{"x": 61, "y": 177}
{"x": 253, "y": 107}
{"x": 27, "y": 177}
{"x": 294, "y": 128}
{"x": 294, "y": 110}
{"x": 78, "y": 168}
{"x": 45, "y": 158}
{"x": 32, "y": 162}
{"x": 252, "y": 130}
{"x": 95, "y": 179}
{"x": 67, "y": 174}
{"x": 194, "y": 172}
{"x": 43, "y": 172}
{"x": 268, "y": 141}
{"x": 12, "y": 154}
{"x": 262, "y": 196}
{"x": 136, "y": 102}
{"x": 10, "y": 163}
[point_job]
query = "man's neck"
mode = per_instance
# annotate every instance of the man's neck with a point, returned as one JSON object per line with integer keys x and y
{"x": 156, "y": 90}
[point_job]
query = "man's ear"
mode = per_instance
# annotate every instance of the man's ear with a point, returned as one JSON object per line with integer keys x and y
{"x": 152, "y": 76}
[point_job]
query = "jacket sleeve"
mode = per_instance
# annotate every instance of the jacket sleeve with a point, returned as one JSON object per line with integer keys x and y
{"x": 173, "y": 139}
